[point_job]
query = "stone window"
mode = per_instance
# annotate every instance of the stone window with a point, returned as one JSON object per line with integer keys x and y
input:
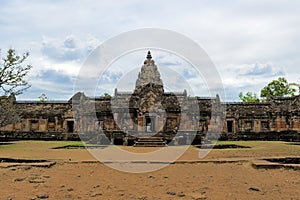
{"x": 171, "y": 123}
{"x": 51, "y": 123}
{"x": 127, "y": 122}
{"x": 265, "y": 125}
{"x": 18, "y": 126}
{"x": 34, "y": 125}
{"x": 248, "y": 125}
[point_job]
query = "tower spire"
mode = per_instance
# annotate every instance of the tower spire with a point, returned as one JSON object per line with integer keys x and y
{"x": 149, "y": 57}
{"x": 148, "y": 74}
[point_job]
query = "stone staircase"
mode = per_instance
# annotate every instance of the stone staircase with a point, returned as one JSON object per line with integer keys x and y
{"x": 150, "y": 142}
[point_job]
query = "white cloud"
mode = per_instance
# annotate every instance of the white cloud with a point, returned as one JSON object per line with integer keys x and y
{"x": 233, "y": 34}
{"x": 248, "y": 77}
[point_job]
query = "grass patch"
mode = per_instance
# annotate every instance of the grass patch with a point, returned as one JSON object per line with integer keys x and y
{"x": 12, "y": 160}
{"x": 7, "y": 145}
{"x": 249, "y": 144}
{"x": 252, "y": 144}
{"x": 39, "y": 144}
{"x": 265, "y": 145}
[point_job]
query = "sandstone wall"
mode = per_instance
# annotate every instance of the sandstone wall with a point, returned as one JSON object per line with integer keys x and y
{"x": 278, "y": 115}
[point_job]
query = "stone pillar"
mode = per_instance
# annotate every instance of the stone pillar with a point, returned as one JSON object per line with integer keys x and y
{"x": 188, "y": 139}
{"x": 257, "y": 125}
{"x": 141, "y": 125}
{"x": 125, "y": 141}
{"x": 112, "y": 140}
{"x": 27, "y": 125}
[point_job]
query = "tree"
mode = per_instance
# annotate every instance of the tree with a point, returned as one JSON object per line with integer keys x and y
{"x": 106, "y": 95}
{"x": 296, "y": 85}
{"x": 43, "y": 98}
{"x": 278, "y": 88}
{"x": 12, "y": 82}
{"x": 248, "y": 97}
{"x": 13, "y": 73}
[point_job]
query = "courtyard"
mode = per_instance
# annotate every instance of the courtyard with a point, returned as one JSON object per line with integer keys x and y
{"x": 73, "y": 173}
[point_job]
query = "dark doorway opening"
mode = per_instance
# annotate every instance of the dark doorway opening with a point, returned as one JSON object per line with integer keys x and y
{"x": 70, "y": 126}
{"x": 150, "y": 124}
{"x": 229, "y": 126}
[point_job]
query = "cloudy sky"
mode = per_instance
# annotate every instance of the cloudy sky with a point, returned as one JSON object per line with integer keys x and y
{"x": 250, "y": 42}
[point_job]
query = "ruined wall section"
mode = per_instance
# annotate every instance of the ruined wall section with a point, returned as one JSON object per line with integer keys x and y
{"x": 38, "y": 118}
{"x": 211, "y": 115}
{"x": 92, "y": 114}
{"x": 270, "y": 119}
{"x": 247, "y": 117}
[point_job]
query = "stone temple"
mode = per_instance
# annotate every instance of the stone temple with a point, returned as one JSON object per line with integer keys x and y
{"x": 149, "y": 115}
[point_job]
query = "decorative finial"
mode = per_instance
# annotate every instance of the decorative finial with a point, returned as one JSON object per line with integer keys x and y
{"x": 149, "y": 55}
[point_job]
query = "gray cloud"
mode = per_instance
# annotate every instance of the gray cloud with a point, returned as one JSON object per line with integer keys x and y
{"x": 52, "y": 83}
{"x": 68, "y": 49}
{"x": 259, "y": 69}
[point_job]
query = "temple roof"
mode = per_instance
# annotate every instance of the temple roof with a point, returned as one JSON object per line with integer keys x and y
{"x": 149, "y": 74}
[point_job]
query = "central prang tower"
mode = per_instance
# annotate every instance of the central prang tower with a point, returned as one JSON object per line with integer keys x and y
{"x": 147, "y": 98}
{"x": 148, "y": 76}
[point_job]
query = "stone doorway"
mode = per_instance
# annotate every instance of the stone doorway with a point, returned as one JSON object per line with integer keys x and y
{"x": 150, "y": 124}
{"x": 229, "y": 126}
{"x": 70, "y": 126}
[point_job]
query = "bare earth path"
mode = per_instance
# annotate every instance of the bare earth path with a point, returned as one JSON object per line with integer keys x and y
{"x": 77, "y": 175}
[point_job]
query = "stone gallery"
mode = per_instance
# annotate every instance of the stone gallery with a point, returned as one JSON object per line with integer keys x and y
{"x": 149, "y": 114}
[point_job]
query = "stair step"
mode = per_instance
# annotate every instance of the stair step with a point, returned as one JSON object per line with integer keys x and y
{"x": 150, "y": 142}
{"x": 148, "y": 145}
{"x": 147, "y": 138}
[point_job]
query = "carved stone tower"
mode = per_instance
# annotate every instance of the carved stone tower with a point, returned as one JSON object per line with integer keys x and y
{"x": 147, "y": 98}
{"x": 149, "y": 75}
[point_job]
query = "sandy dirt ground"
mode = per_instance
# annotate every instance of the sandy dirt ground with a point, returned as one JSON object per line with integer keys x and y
{"x": 78, "y": 175}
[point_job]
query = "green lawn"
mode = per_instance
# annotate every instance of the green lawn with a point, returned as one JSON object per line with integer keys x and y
{"x": 40, "y": 144}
